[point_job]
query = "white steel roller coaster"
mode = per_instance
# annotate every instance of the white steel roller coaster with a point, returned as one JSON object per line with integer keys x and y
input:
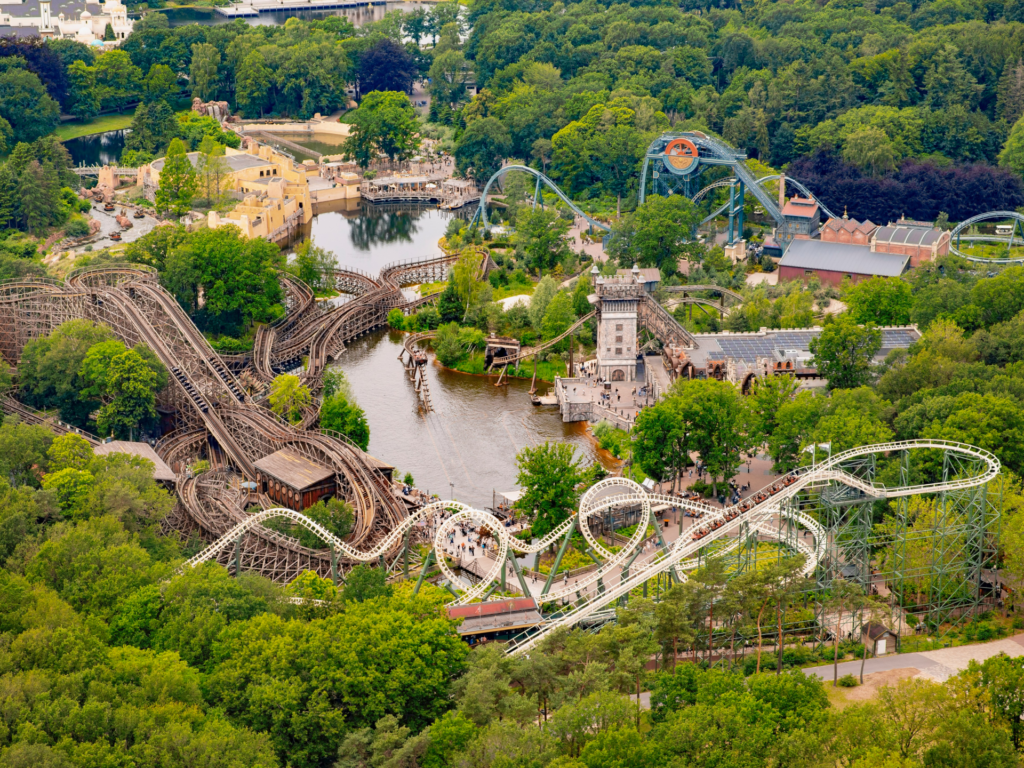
{"x": 589, "y": 594}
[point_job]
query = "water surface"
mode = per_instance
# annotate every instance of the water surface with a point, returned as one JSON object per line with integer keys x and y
{"x": 469, "y": 441}
{"x": 98, "y": 148}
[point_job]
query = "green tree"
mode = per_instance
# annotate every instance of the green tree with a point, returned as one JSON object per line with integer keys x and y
{"x": 84, "y": 94}
{"x": 289, "y": 397}
{"x": 482, "y": 148}
{"x": 71, "y": 489}
{"x": 870, "y": 150}
{"x": 880, "y": 300}
{"x": 540, "y": 238}
{"x": 278, "y": 685}
{"x": 178, "y": 181}
{"x": 718, "y": 422}
{"x": 25, "y": 106}
{"x": 449, "y": 306}
{"x": 384, "y": 126}
{"x": 38, "y": 198}
{"x": 365, "y": 583}
{"x": 580, "y": 724}
{"x": 204, "y": 71}
{"x": 118, "y": 80}
{"x": 543, "y": 294}
{"x": 767, "y": 398}
{"x": 947, "y": 82}
{"x": 549, "y": 476}
{"x": 161, "y": 83}
{"x": 252, "y": 85}
{"x": 656, "y": 234}
{"x": 212, "y": 172}
{"x": 448, "y": 75}
{"x": 237, "y": 276}
{"x": 844, "y": 351}
{"x": 69, "y": 451}
{"x": 661, "y": 440}
{"x": 558, "y": 317}
{"x": 153, "y": 127}
{"x": 341, "y": 414}
{"x": 1012, "y": 154}
{"x": 131, "y": 386}
{"x": 94, "y": 564}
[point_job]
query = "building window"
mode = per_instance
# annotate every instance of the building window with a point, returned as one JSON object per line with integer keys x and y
{"x": 609, "y": 349}
{"x": 808, "y": 272}
{"x": 618, "y": 339}
{"x": 618, "y": 351}
{"x": 618, "y": 326}
{"x": 849, "y": 277}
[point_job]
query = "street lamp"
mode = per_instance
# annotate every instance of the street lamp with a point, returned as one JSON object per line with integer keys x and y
{"x": 451, "y": 487}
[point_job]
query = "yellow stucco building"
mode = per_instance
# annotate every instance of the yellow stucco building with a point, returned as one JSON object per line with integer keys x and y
{"x": 277, "y": 195}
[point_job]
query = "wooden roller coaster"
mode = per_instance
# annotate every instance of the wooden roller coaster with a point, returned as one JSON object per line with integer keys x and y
{"x": 217, "y": 417}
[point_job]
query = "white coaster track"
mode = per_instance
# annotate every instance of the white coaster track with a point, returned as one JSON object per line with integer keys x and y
{"x": 588, "y": 594}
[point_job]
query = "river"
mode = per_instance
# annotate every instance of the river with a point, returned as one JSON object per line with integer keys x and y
{"x": 472, "y": 436}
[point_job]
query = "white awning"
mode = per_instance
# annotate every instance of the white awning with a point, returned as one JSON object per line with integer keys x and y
{"x": 512, "y": 496}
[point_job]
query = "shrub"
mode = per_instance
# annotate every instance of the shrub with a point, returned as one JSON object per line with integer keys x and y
{"x": 396, "y": 319}
{"x": 1018, "y": 622}
{"x": 985, "y": 632}
{"x": 848, "y": 681}
{"x": 76, "y": 227}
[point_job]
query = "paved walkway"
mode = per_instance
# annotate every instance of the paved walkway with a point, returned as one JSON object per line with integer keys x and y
{"x": 673, "y": 525}
{"x": 935, "y": 665}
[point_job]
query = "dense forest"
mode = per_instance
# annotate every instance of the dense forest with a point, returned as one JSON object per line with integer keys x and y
{"x": 895, "y": 96}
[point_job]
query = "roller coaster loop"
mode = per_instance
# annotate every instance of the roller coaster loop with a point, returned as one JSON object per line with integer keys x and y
{"x": 630, "y": 568}
{"x": 1017, "y": 235}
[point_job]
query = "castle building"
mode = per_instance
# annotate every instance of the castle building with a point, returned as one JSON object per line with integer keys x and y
{"x": 84, "y": 21}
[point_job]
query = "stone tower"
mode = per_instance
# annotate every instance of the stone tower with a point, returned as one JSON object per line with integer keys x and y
{"x": 618, "y": 299}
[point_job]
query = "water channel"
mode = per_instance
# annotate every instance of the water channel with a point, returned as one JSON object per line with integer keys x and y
{"x": 472, "y": 436}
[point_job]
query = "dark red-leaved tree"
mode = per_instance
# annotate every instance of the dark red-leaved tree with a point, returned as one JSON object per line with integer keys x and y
{"x": 41, "y": 60}
{"x": 386, "y": 66}
{"x": 918, "y": 191}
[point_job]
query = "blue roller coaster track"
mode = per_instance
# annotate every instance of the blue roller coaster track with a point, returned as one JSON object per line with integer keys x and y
{"x": 480, "y": 217}
{"x": 1016, "y": 236}
{"x": 712, "y": 152}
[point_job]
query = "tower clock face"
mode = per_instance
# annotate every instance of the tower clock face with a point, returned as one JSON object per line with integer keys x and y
{"x": 681, "y": 155}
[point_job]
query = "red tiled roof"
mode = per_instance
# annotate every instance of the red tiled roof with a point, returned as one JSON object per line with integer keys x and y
{"x": 800, "y": 206}
{"x": 513, "y": 605}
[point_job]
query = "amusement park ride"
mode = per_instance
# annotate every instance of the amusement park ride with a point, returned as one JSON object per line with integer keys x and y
{"x": 826, "y": 512}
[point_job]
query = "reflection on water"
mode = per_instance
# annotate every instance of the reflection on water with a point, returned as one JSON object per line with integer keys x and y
{"x": 364, "y": 14}
{"x": 324, "y": 145}
{"x": 371, "y": 236}
{"x": 469, "y": 440}
{"x": 97, "y": 149}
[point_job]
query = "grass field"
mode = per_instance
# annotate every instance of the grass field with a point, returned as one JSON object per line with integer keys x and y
{"x": 991, "y": 250}
{"x": 76, "y": 128}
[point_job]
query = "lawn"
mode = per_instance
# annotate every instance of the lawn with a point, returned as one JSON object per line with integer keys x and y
{"x": 101, "y": 124}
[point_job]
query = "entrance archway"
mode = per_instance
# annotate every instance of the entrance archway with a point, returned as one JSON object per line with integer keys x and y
{"x": 618, "y": 375}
